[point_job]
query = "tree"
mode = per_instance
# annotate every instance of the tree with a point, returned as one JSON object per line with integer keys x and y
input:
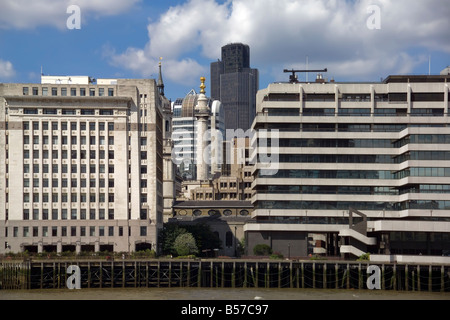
{"x": 262, "y": 250}
{"x": 185, "y": 244}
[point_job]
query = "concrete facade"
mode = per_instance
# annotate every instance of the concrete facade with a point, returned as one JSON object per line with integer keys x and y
{"x": 82, "y": 165}
{"x": 380, "y": 148}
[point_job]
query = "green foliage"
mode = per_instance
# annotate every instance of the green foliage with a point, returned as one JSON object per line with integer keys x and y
{"x": 262, "y": 250}
{"x": 364, "y": 257}
{"x": 276, "y": 256}
{"x": 185, "y": 245}
{"x": 205, "y": 239}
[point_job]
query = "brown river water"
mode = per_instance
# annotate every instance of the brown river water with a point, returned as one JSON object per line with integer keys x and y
{"x": 212, "y": 294}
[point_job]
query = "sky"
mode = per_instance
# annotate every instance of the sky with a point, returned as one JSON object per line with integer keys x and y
{"x": 356, "y": 40}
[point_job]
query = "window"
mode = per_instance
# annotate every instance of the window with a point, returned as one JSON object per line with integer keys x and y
{"x": 101, "y": 92}
{"x": 35, "y": 91}
{"x": 229, "y": 239}
{"x": 73, "y": 92}
{"x": 143, "y": 214}
{"x": 25, "y": 91}
{"x": 83, "y": 92}
{"x": 92, "y": 92}
{"x": 73, "y": 214}
{"x": 101, "y": 231}
{"x": 45, "y": 91}
{"x": 54, "y": 91}
{"x": 92, "y": 231}
{"x": 64, "y": 92}
{"x": 54, "y": 231}
{"x": 110, "y": 92}
{"x": 143, "y": 231}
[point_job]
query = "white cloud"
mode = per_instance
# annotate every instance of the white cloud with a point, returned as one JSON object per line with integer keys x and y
{"x": 26, "y": 14}
{"x": 6, "y": 70}
{"x": 281, "y": 33}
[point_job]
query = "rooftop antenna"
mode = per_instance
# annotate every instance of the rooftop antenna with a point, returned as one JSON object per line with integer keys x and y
{"x": 293, "y": 77}
{"x": 429, "y": 65}
{"x": 307, "y": 67}
{"x": 42, "y": 73}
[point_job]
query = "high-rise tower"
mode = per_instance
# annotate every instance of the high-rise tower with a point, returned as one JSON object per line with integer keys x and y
{"x": 235, "y": 84}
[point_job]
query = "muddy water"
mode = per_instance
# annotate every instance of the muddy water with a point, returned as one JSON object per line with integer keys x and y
{"x": 216, "y": 294}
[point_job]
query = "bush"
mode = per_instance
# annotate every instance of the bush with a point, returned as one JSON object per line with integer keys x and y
{"x": 262, "y": 250}
{"x": 276, "y": 256}
{"x": 185, "y": 245}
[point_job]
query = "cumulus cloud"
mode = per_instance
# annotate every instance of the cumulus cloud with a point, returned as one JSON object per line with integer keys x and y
{"x": 6, "y": 70}
{"x": 26, "y": 14}
{"x": 281, "y": 33}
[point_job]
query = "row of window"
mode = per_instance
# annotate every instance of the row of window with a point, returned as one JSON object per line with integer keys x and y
{"x": 214, "y": 212}
{"x": 359, "y": 190}
{"x": 345, "y": 205}
{"x": 83, "y": 197}
{"x": 329, "y": 174}
{"x": 65, "y": 140}
{"x": 353, "y": 112}
{"x": 64, "y": 125}
{"x": 64, "y": 168}
{"x": 53, "y": 91}
{"x": 93, "y": 183}
{"x": 56, "y": 214}
{"x": 65, "y": 154}
{"x": 73, "y": 231}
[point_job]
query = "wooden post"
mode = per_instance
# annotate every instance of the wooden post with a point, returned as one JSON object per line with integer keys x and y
{"x": 158, "y": 274}
{"x": 324, "y": 276}
{"x": 199, "y": 274}
{"x": 101, "y": 275}
{"x": 223, "y": 275}
{"x": 430, "y": 278}
{"x": 406, "y": 278}
{"x": 291, "y": 279}
{"x": 89, "y": 275}
{"x": 211, "y": 276}
{"x": 245, "y": 275}
{"x": 418, "y": 278}
{"x": 442, "y": 279}
{"x": 303, "y": 275}
{"x": 314, "y": 275}
{"x": 189, "y": 274}
{"x": 279, "y": 274}
{"x": 170, "y": 274}
{"x": 348, "y": 276}
{"x": 359, "y": 277}
{"x": 336, "y": 274}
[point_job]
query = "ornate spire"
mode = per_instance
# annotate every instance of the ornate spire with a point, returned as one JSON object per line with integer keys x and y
{"x": 202, "y": 85}
{"x": 160, "y": 84}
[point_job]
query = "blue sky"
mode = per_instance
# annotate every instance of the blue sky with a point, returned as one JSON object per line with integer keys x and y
{"x": 126, "y": 38}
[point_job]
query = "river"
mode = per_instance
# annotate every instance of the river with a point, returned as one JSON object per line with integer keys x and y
{"x": 217, "y": 294}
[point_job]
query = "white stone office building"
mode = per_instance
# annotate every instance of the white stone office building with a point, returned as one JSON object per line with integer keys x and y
{"x": 81, "y": 164}
{"x": 382, "y": 149}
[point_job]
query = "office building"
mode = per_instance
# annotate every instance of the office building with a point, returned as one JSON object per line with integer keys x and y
{"x": 362, "y": 168}
{"x": 81, "y": 164}
{"x": 235, "y": 84}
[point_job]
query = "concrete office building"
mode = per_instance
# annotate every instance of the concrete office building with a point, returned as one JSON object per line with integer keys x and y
{"x": 81, "y": 164}
{"x": 235, "y": 84}
{"x": 363, "y": 168}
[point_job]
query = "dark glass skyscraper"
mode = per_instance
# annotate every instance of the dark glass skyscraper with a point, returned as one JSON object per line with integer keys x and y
{"x": 235, "y": 84}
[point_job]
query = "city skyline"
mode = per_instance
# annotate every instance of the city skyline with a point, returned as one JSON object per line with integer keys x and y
{"x": 126, "y": 39}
